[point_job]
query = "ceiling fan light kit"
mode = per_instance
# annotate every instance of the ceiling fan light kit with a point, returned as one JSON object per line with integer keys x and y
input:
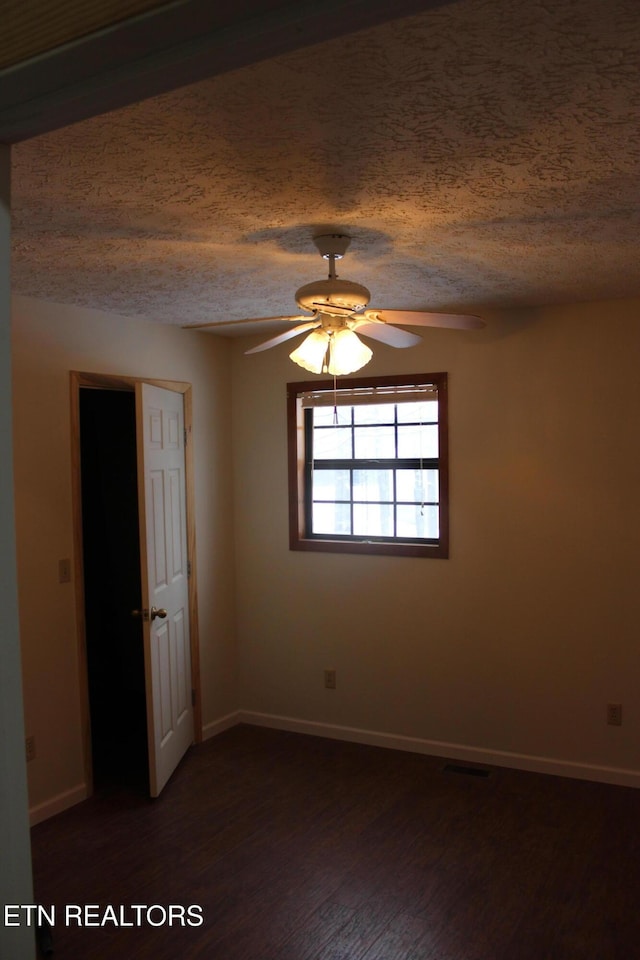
{"x": 337, "y": 353}
{"x": 311, "y": 353}
{"x": 339, "y": 309}
{"x": 347, "y": 353}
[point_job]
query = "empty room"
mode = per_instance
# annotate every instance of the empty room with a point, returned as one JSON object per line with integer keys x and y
{"x": 320, "y": 347}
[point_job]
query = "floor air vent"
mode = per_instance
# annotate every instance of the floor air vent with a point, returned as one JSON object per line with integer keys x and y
{"x": 467, "y": 771}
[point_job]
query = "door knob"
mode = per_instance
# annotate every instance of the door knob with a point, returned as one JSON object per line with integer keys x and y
{"x": 155, "y": 612}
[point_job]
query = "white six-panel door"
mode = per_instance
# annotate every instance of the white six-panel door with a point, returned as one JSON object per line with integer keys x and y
{"x": 165, "y": 589}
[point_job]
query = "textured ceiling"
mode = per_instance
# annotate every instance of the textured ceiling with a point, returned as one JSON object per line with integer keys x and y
{"x": 486, "y": 153}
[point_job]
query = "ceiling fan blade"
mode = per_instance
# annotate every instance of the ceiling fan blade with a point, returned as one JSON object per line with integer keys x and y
{"x": 232, "y": 323}
{"x": 392, "y": 336}
{"x": 422, "y": 318}
{"x": 274, "y": 341}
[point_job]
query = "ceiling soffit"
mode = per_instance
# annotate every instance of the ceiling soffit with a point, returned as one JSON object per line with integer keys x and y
{"x": 31, "y": 29}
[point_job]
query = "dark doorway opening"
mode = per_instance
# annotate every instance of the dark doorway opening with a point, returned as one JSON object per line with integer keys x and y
{"x": 111, "y": 552}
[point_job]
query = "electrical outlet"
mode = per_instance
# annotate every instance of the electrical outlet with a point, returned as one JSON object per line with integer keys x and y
{"x": 614, "y": 714}
{"x": 330, "y": 679}
{"x": 64, "y": 571}
{"x": 30, "y": 745}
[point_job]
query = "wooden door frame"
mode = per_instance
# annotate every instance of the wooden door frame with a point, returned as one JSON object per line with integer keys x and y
{"x": 103, "y": 381}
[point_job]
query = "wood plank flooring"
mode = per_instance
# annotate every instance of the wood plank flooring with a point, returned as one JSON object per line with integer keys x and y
{"x": 301, "y": 848}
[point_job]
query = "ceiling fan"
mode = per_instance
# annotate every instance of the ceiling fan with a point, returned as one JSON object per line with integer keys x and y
{"x": 339, "y": 313}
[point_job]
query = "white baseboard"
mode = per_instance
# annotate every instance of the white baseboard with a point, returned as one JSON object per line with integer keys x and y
{"x": 436, "y": 748}
{"x": 221, "y": 724}
{"x": 453, "y": 751}
{"x": 62, "y": 801}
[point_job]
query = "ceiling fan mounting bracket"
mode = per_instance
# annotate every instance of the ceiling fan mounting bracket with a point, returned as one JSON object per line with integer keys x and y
{"x": 332, "y": 245}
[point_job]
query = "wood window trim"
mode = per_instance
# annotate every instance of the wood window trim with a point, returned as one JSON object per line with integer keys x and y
{"x": 298, "y": 539}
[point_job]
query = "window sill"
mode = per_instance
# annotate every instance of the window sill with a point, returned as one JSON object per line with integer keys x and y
{"x": 437, "y": 551}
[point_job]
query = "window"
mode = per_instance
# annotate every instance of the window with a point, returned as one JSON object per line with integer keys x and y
{"x": 368, "y": 465}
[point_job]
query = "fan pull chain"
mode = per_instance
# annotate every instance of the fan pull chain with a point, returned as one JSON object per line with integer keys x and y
{"x": 335, "y": 400}
{"x": 421, "y": 470}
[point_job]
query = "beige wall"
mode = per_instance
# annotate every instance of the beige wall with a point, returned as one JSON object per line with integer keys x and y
{"x": 514, "y": 644}
{"x": 48, "y": 342}
{"x": 518, "y": 641}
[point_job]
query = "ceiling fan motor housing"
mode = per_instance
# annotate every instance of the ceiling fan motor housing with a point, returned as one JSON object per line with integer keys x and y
{"x": 335, "y": 297}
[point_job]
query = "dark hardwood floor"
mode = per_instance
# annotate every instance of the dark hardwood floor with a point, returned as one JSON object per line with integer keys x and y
{"x": 301, "y": 848}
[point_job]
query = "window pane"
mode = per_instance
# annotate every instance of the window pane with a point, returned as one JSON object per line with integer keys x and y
{"x": 417, "y": 521}
{"x": 326, "y": 416}
{"x": 417, "y": 485}
{"x": 373, "y": 485}
{"x": 331, "y": 485}
{"x": 418, "y": 441}
{"x": 332, "y": 518}
{"x": 374, "y": 413}
{"x": 373, "y": 519}
{"x": 374, "y": 443}
{"x": 332, "y": 443}
{"x": 425, "y": 411}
